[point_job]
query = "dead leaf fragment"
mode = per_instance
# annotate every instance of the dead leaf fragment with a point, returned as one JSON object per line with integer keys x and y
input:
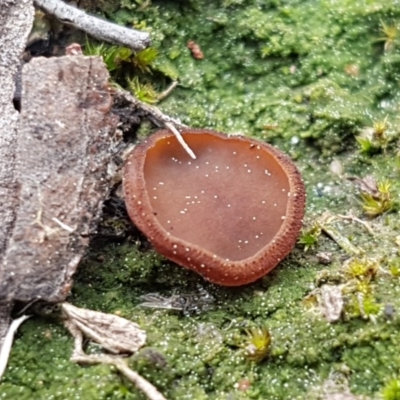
{"x": 113, "y": 333}
{"x": 329, "y": 299}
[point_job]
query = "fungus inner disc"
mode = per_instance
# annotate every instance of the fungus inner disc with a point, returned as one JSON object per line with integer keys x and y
{"x": 231, "y": 200}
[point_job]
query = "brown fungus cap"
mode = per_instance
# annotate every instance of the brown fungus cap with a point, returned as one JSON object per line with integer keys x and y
{"x": 231, "y": 215}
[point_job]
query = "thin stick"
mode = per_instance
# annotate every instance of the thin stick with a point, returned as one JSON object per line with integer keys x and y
{"x": 96, "y": 27}
{"x": 341, "y": 240}
{"x": 142, "y": 384}
{"x": 180, "y": 139}
{"x": 145, "y": 386}
{"x": 324, "y": 222}
{"x": 7, "y": 344}
{"x": 154, "y": 112}
{"x": 360, "y": 221}
{"x": 167, "y": 91}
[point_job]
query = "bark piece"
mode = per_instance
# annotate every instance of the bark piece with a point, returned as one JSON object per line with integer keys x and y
{"x": 16, "y": 18}
{"x": 63, "y": 153}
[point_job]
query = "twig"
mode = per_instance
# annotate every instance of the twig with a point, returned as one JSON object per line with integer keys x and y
{"x": 96, "y": 27}
{"x": 154, "y": 112}
{"x": 145, "y": 386}
{"x": 341, "y": 240}
{"x": 167, "y": 91}
{"x": 324, "y": 222}
{"x": 179, "y": 137}
{"x": 352, "y": 218}
{"x": 7, "y": 344}
{"x": 141, "y": 383}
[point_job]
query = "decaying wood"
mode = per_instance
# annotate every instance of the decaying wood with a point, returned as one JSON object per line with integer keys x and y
{"x": 63, "y": 153}
{"x": 98, "y": 28}
{"x": 16, "y": 17}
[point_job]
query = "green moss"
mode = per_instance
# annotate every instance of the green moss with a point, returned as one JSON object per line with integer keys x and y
{"x": 392, "y": 390}
{"x": 272, "y": 63}
{"x": 308, "y": 76}
{"x": 41, "y": 369}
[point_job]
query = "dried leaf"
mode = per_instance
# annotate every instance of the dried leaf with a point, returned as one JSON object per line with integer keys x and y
{"x": 115, "y": 334}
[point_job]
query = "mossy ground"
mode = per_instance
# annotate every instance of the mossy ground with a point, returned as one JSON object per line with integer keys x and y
{"x": 306, "y": 76}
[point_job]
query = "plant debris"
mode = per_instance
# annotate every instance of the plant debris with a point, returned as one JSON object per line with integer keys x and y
{"x": 113, "y": 333}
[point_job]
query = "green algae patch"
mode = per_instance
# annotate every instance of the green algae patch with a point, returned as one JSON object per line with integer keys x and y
{"x": 309, "y": 77}
{"x": 314, "y": 69}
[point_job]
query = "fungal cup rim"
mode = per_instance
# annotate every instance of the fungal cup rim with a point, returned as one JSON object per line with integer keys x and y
{"x": 237, "y": 271}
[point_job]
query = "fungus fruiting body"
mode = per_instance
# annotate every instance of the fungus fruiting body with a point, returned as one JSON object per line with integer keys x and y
{"x": 232, "y": 214}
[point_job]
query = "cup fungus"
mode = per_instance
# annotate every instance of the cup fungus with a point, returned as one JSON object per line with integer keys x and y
{"x": 232, "y": 214}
